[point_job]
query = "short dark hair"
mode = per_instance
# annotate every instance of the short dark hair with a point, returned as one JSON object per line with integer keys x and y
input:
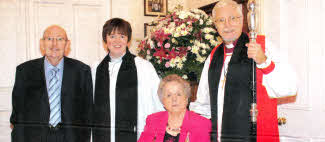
{"x": 117, "y": 24}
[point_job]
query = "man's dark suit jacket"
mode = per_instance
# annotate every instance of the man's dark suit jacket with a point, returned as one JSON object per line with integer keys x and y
{"x": 30, "y": 103}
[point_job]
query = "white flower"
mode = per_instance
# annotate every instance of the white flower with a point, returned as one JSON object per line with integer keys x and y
{"x": 159, "y": 62}
{"x": 178, "y": 59}
{"x": 212, "y": 30}
{"x": 176, "y": 34}
{"x": 204, "y": 52}
{"x": 197, "y": 16}
{"x": 178, "y": 29}
{"x": 208, "y": 36}
{"x": 148, "y": 57}
{"x": 183, "y": 15}
{"x": 172, "y": 63}
{"x": 196, "y": 11}
{"x": 209, "y": 22}
{"x": 203, "y": 45}
{"x": 167, "y": 30}
{"x": 213, "y": 42}
{"x": 200, "y": 59}
{"x": 184, "y": 76}
{"x": 184, "y": 58}
{"x": 206, "y": 30}
{"x": 173, "y": 40}
{"x": 201, "y": 22}
{"x": 172, "y": 30}
{"x": 184, "y": 33}
{"x": 195, "y": 49}
{"x": 197, "y": 42}
{"x": 204, "y": 58}
{"x": 172, "y": 24}
{"x": 180, "y": 65}
{"x": 191, "y": 14}
{"x": 182, "y": 26}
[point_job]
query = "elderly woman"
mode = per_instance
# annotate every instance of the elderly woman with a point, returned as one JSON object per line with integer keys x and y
{"x": 177, "y": 124}
{"x": 125, "y": 88}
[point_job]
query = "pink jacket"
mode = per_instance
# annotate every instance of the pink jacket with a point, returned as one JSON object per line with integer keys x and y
{"x": 195, "y": 128}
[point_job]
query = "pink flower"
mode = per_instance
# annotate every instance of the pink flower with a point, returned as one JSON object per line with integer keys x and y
{"x": 189, "y": 48}
{"x": 159, "y": 44}
{"x": 167, "y": 64}
{"x": 148, "y": 52}
{"x": 167, "y": 45}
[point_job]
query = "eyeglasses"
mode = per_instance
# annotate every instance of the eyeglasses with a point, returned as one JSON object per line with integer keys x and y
{"x": 233, "y": 20}
{"x": 51, "y": 39}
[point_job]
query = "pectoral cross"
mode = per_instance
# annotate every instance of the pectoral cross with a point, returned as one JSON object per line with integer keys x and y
{"x": 223, "y": 82}
{"x": 224, "y": 76}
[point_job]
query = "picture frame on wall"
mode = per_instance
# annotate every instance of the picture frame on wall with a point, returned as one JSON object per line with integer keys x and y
{"x": 155, "y": 7}
{"x": 148, "y": 28}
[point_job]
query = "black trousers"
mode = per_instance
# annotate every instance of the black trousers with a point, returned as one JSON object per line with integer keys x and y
{"x": 55, "y": 134}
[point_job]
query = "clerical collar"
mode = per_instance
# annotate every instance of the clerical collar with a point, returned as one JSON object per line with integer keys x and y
{"x": 230, "y": 47}
{"x": 114, "y": 60}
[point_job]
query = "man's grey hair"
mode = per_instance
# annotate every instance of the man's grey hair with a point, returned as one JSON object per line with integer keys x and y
{"x": 223, "y": 3}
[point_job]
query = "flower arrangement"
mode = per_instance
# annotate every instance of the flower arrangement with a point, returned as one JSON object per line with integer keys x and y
{"x": 180, "y": 43}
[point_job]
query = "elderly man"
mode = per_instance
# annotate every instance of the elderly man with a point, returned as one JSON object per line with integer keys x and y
{"x": 52, "y": 95}
{"x": 225, "y": 92}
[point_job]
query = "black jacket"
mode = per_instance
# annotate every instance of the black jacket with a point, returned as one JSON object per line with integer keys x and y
{"x": 30, "y": 103}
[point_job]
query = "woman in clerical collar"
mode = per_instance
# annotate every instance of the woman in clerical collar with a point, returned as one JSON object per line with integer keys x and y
{"x": 125, "y": 88}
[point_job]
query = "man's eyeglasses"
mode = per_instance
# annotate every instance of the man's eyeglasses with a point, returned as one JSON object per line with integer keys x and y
{"x": 58, "y": 39}
{"x": 233, "y": 20}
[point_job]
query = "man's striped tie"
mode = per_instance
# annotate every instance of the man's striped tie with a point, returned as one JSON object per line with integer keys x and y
{"x": 54, "y": 98}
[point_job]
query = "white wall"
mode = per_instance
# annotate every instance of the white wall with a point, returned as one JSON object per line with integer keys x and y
{"x": 296, "y": 27}
{"x": 22, "y": 25}
{"x": 199, "y": 3}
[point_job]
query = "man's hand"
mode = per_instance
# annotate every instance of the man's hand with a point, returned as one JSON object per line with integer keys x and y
{"x": 255, "y": 52}
{"x": 11, "y": 126}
